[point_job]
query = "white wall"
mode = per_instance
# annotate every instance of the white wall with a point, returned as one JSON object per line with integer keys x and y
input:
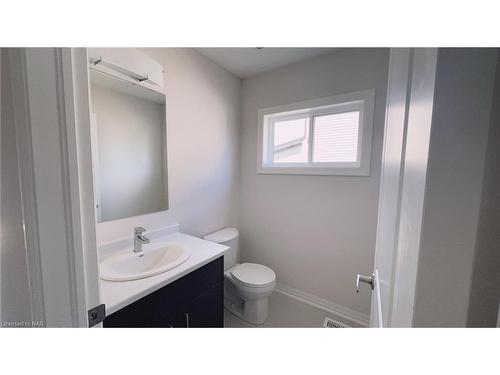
{"x": 202, "y": 146}
{"x": 15, "y": 304}
{"x": 460, "y": 123}
{"x": 130, "y": 142}
{"x": 316, "y": 232}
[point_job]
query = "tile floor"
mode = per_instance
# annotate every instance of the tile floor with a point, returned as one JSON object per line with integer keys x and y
{"x": 287, "y": 312}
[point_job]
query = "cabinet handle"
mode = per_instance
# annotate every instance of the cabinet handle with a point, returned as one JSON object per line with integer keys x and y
{"x": 187, "y": 319}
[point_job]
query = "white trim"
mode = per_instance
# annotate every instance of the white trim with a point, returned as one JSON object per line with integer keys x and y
{"x": 77, "y": 78}
{"x": 70, "y": 186}
{"x": 323, "y": 304}
{"x": 391, "y": 177}
{"x": 362, "y": 101}
{"x": 418, "y": 137}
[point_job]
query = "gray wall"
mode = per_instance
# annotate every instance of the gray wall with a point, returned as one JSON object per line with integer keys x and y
{"x": 203, "y": 102}
{"x": 130, "y": 138}
{"x": 485, "y": 290}
{"x": 316, "y": 232}
{"x": 460, "y": 123}
{"x": 15, "y": 304}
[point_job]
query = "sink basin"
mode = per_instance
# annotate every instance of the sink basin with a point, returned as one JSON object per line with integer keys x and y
{"x": 155, "y": 258}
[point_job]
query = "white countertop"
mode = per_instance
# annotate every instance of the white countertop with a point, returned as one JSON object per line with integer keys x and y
{"x": 118, "y": 294}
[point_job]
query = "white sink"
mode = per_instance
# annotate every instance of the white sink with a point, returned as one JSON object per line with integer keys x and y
{"x": 155, "y": 258}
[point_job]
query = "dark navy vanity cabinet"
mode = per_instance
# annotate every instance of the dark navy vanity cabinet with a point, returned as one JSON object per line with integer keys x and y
{"x": 195, "y": 300}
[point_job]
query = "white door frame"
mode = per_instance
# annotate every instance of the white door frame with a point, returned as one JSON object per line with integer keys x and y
{"x": 407, "y": 132}
{"x": 51, "y": 112}
{"x": 81, "y": 91}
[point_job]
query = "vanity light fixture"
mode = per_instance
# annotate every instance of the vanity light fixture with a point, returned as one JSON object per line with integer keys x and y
{"x": 128, "y": 73}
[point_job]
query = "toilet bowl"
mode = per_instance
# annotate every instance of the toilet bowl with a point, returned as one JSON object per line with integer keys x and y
{"x": 247, "y": 286}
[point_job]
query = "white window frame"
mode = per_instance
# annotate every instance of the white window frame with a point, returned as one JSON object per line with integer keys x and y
{"x": 362, "y": 101}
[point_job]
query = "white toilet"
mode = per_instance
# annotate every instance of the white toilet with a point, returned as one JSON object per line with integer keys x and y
{"x": 247, "y": 286}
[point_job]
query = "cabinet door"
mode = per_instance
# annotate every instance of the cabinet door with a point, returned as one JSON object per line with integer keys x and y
{"x": 159, "y": 309}
{"x": 205, "y": 311}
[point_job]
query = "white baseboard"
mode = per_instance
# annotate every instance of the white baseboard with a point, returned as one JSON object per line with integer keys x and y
{"x": 323, "y": 304}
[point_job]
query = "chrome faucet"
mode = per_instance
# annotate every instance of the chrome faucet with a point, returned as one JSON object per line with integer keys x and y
{"x": 139, "y": 239}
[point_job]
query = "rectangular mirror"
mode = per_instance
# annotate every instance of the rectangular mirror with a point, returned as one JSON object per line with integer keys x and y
{"x": 128, "y": 148}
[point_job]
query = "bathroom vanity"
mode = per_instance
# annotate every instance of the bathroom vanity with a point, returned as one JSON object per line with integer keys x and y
{"x": 195, "y": 300}
{"x": 189, "y": 295}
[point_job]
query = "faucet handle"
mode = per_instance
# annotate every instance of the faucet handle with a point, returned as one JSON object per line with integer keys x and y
{"x": 139, "y": 230}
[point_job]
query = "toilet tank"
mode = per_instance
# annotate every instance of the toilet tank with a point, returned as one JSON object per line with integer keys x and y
{"x": 228, "y": 237}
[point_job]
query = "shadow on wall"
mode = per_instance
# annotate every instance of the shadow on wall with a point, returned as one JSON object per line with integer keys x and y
{"x": 485, "y": 295}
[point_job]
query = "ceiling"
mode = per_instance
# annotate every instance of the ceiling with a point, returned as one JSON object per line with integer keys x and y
{"x": 247, "y": 62}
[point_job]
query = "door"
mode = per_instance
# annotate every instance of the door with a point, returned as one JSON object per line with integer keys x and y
{"x": 410, "y": 97}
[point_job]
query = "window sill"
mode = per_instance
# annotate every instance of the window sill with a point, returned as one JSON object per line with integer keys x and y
{"x": 361, "y": 172}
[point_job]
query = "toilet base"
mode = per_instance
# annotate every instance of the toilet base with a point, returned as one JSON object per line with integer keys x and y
{"x": 253, "y": 312}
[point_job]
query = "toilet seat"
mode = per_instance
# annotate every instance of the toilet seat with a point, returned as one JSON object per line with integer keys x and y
{"x": 253, "y": 275}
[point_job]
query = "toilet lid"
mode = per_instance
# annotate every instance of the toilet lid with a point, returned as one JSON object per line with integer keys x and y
{"x": 253, "y": 274}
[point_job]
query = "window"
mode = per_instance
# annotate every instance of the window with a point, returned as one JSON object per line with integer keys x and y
{"x": 327, "y": 136}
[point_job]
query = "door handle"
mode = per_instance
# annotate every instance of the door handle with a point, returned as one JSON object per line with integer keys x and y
{"x": 370, "y": 280}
